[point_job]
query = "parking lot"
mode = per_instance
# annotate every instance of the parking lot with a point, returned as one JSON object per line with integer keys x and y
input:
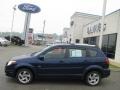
{"x": 6, "y": 83}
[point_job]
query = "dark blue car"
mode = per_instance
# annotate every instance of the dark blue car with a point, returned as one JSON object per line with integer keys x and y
{"x": 86, "y": 61}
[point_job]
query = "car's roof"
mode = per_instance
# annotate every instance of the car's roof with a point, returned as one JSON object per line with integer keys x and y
{"x": 83, "y": 45}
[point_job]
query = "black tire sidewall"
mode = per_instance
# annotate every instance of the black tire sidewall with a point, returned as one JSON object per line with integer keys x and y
{"x": 23, "y": 69}
{"x": 86, "y": 78}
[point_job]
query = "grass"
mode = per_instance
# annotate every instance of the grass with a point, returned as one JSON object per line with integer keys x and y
{"x": 113, "y": 66}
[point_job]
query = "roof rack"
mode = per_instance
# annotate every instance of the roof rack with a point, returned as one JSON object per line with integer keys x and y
{"x": 84, "y": 44}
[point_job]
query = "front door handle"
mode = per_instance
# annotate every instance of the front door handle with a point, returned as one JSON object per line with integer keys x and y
{"x": 61, "y": 61}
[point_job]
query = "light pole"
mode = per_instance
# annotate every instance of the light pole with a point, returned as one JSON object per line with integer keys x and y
{"x": 43, "y": 30}
{"x": 102, "y": 25}
{"x": 14, "y": 9}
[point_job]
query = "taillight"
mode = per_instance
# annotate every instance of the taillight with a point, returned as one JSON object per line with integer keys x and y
{"x": 107, "y": 61}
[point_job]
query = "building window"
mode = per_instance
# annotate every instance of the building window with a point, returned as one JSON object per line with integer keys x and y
{"x": 70, "y": 40}
{"x": 77, "y": 41}
{"x": 92, "y": 40}
{"x": 105, "y": 44}
{"x": 109, "y": 45}
{"x": 71, "y": 23}
{"x": 86, "y": 40}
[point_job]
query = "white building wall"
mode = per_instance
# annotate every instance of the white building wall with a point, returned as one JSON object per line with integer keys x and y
{"x": 66, "y": 32}
{"x": 80, "y": 19}
{"x": 117, "y": 53}
{"x": 111, "y": 22}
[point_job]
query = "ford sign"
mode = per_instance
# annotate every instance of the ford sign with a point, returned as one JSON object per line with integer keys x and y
{"x": 29, "y": 8}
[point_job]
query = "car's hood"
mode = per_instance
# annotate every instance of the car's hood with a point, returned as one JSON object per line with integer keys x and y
{"x": 21, "y": 57}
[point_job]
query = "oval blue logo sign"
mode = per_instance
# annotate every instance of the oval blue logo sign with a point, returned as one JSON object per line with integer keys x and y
{"x": 30, "y": 8}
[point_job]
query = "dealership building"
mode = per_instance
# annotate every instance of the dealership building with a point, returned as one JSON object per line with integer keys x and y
{"x": 85, "y": 28}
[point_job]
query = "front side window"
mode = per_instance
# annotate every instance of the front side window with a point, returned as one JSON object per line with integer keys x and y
{"x": 77, "y": 53}
{"x": 57, "y": 53}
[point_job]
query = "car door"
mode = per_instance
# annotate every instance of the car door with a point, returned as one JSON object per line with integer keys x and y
{"x": 77, "y": 60}
{"x": 54, "y": 62}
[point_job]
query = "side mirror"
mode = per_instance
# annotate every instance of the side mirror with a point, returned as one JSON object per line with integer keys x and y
{"x": 41, "y": 58}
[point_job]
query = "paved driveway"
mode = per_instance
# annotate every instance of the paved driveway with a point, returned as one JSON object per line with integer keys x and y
{"x": 6, "y": 83}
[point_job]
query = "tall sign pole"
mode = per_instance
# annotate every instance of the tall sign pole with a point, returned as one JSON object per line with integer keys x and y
{"x": 26, "y": 27}
{"x": 28, "y": 9}
{"x": 102, "y": 25}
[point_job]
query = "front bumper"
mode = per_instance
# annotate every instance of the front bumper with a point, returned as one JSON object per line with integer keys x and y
{"x": 9, "y": 71}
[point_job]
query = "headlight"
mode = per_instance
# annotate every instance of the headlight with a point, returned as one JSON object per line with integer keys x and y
{"x": 11, "y": 62}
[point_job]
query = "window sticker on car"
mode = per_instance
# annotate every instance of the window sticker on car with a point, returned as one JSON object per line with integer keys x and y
{"x": 76, "y": 53}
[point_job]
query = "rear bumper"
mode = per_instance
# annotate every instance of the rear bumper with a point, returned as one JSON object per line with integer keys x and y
{"x": 106, "y": 73}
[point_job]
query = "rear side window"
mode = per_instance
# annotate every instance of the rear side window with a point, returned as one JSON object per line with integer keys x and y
{"x": 92, "y": 53}
{"x": 77, "y": 53}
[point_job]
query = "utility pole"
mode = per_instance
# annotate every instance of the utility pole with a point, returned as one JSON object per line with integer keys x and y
{"x": 102, "y": 25}
{"x": 14, "y": 9}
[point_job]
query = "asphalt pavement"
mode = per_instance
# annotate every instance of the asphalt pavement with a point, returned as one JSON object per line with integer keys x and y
{"x": 6, "y": 83}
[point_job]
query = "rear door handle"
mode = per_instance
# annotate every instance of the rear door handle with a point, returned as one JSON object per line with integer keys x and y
{"x": 39, "y": 66}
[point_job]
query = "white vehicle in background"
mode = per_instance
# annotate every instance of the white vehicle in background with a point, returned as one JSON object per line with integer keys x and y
{"x": 4, "y": 42}
{"x": 49, "y": 44}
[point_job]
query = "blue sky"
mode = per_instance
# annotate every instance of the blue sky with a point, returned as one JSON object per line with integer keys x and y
{"x": 57, "y": 13}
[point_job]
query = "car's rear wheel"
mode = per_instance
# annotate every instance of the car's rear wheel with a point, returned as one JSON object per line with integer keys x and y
{"x": 24, "y": 76}
{"x": 93, "y": 78}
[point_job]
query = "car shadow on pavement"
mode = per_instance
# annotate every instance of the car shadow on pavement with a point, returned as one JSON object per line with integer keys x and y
{"x": 59, "y": 81}
{"x": 49, "y": 81}
{"x": 56, "y": 82}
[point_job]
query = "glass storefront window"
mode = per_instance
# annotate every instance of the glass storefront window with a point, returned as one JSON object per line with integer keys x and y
{"x": 109, "y": 45}
{"x": 92, "y": 40}
{"x": 105, "y": 44}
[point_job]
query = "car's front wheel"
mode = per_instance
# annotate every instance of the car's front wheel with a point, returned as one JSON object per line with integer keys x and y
{"x": 93, "y": 78}
{"x": 24, "y": 76}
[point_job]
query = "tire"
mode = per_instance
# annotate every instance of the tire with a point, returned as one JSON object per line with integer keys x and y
{"x": 93, "y": 78}
{"x": 24, "y": 76}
